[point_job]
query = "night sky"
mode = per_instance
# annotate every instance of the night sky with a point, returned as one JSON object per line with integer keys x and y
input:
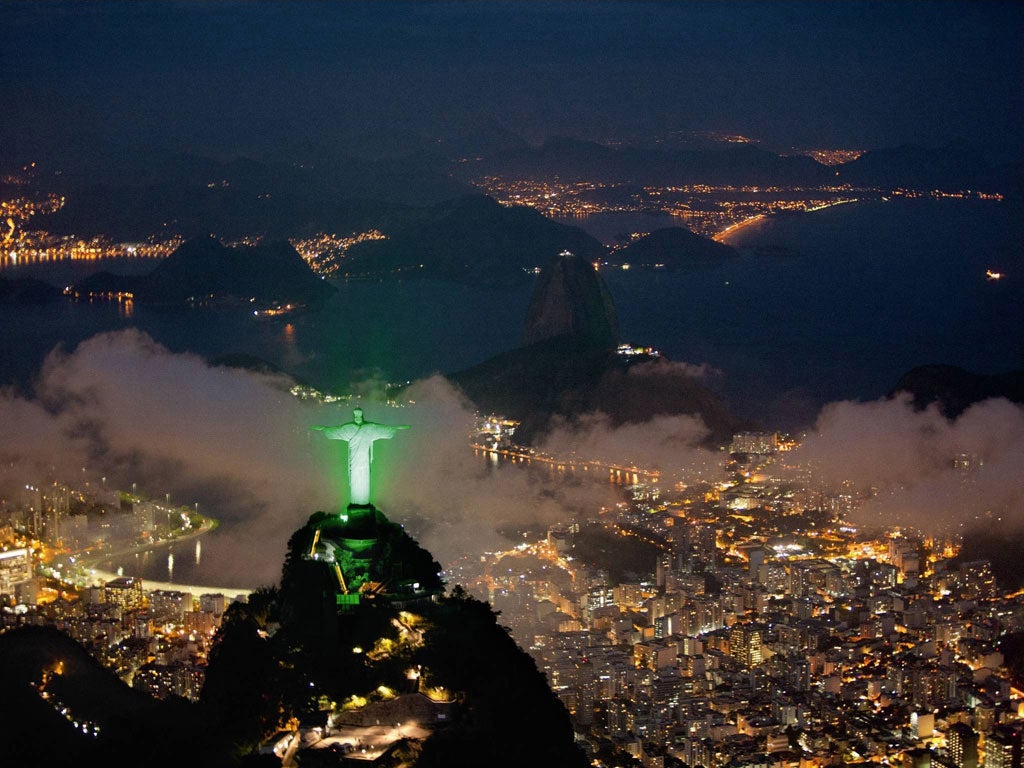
{"x": 259, "y": 77}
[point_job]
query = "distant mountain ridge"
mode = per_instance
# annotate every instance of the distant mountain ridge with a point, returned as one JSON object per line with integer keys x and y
{"x": 735, "y": 164}
{"x": 204, "y": 269}
{"x": 137, "y": 194}
{"x": 952, "y": 167}
{"x": 134, "y": 213}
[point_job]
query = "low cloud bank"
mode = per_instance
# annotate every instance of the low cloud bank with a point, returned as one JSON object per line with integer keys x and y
{"x": 460, "y": 499}
{"x": 122, "y": 406}
{"x": 669, "y": 444}
{"x": 923, "y": 470}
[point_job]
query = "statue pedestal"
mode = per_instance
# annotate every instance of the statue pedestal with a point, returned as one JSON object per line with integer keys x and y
{"x": 361, "y": 517}
{"x": 360, "y": 531}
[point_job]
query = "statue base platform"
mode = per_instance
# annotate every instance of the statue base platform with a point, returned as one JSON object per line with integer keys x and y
{"x": 360, "y": 531}
{"x": 365, "y": 556}
{"x": 361, "y": 517}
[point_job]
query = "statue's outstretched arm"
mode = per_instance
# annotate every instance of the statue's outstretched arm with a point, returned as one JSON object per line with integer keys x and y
{"x": 318, "y": 427}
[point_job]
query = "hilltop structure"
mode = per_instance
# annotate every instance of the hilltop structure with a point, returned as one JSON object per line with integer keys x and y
{"x": 368, "y": 637}
{"x": 358, "y": 655}
{"x": 355, "y": 544}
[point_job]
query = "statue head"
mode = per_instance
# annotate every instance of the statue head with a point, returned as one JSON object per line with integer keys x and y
{"x": 357, "y": 415}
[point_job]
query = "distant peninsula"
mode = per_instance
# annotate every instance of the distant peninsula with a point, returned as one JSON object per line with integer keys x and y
{"x": 472, "y": 239}
{"x": 672, "y": 248}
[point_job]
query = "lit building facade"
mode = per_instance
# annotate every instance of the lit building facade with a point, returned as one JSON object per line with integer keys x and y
{"x": 15, "y": 569}
{"x": 126, "y": 592}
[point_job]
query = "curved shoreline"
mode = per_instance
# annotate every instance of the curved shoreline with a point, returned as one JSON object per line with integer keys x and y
{"x": 209, "y": 524}
{"x": 739, "y": 227}
{"x": 97, "y": 576}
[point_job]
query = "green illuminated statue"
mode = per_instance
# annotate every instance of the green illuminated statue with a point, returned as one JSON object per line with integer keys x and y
{"x": 360, "y": 436}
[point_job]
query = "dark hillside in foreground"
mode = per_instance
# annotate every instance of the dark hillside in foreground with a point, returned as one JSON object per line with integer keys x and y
{"x": 34, "y": 660}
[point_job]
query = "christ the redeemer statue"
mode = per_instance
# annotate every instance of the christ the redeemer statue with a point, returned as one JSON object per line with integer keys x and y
{"x": 360, "y": 436}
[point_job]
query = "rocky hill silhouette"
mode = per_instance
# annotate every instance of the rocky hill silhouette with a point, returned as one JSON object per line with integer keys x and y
{"x": 569, "y": 365}
{"x": 471, "y": 239}
{"x": 570, "y": 298}
{"x": 954, "y": 389}
{"x": 202, "y": 269}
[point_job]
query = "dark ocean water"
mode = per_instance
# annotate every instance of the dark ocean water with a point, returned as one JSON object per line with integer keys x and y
{"x": 198, "y": 561}
{"x": 839, "y": 303}
{"x": 834, "y": 304}
{"x": 393, "y": 330}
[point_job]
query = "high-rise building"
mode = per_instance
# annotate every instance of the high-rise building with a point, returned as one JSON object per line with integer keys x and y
{"x": 15, "y": 569}
{"x": 694, "y": 545}
{"x": 214, "y": 603}
{"x": 175, "y": 679}
{"x": 746, "y": 643}
{"x": 1003, "y": 747}
{"x": 125, "y": 592}
{"x": 962, "y": 745}
{"x": 169, "y": 605}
